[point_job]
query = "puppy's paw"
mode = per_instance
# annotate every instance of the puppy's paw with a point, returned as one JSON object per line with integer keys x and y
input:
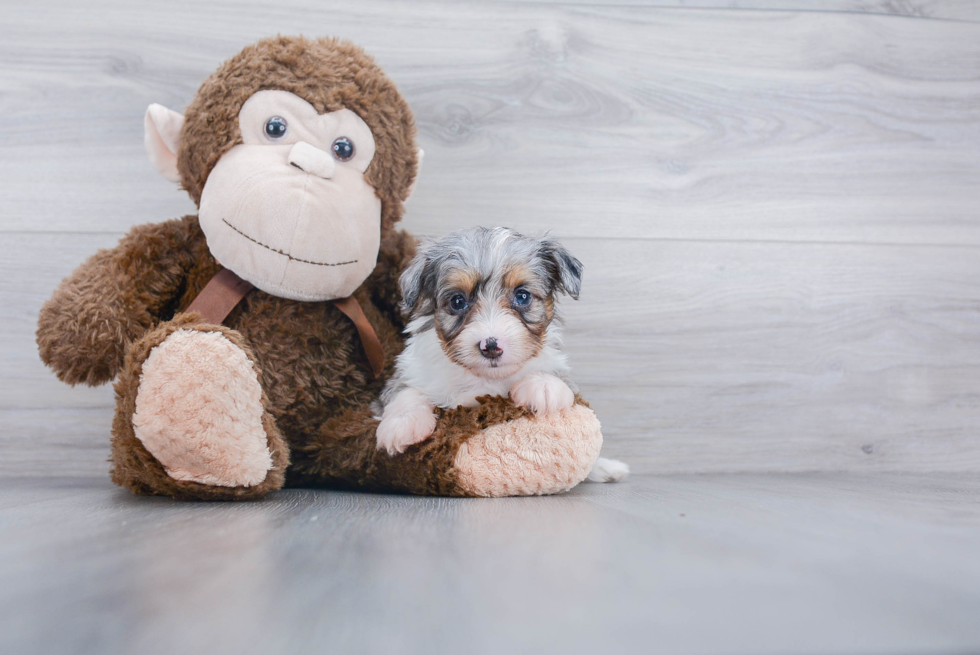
{"x": 608, "y": 470}
{"x": 542, "y": 393}
{"x": 399, "y": 431}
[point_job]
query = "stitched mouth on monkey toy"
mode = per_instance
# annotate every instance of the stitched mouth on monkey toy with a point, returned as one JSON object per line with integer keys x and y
{"x": 283, "y": 253}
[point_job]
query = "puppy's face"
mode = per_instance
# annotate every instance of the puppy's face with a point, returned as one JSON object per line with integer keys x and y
{"x": 489, "y": 295}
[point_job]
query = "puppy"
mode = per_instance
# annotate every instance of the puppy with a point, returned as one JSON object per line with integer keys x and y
{"x": 481, "y": 304}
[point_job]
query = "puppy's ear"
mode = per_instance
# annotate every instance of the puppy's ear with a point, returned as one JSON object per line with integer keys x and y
{"x": 418, "y": 281}
{"x": 565, "y": 270}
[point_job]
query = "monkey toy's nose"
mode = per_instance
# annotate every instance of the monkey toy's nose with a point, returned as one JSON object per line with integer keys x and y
{"x": 312, "y": 160}
{"x": 490, "y": 349}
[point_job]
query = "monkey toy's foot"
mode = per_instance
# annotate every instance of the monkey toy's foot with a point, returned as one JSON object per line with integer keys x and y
{"x": 191, "y": 420}
{"x": 528, "y": 455}
{"x": 199, "y": 411}
{"x": 493, "y": 449}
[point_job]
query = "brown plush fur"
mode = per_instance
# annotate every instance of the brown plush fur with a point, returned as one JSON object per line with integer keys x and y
{"x": 330, "y": 74}
{"x": 111, "y": 300}
{"x": 345, "y": 452}
{"x": 317, "y": 381}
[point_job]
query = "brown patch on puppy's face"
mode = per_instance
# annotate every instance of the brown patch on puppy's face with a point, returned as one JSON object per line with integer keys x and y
{"x": 458, "y": 288}
{"x": 463, "y": 280}
{"x": 517, "y": 275}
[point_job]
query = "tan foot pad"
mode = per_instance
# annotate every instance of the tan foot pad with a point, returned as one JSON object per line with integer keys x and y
{"x": 199, "y": 411}
{"x": 530, "y": 456}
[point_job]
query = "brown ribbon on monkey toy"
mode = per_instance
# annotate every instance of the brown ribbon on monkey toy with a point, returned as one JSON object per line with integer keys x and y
{"x": 225, "y": 290}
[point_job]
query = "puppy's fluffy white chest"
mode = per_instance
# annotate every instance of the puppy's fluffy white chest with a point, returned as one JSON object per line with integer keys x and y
{"x": 425, "y": 366}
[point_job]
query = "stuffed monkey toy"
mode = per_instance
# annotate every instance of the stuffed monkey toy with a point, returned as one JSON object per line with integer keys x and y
{"x": 249, "y": 341}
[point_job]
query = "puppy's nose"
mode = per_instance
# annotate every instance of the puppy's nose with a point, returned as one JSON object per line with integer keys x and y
{"x": 312, "y": 160}
{"x": 490, "y": 349}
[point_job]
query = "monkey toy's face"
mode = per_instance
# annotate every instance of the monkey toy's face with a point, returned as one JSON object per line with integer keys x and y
{"x": 289, "y": 209}
{"x": 300, "y": 154}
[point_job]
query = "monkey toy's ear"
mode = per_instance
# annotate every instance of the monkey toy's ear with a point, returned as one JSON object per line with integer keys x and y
{"x": 161, "y": 135}
{"x": 418, "y": 171}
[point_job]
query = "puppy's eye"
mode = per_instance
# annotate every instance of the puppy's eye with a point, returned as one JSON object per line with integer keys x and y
{"x": 275, "y": 128}
{"x": 343, "y": 149}
{"x": 457, "y": 303}
{"x": 522, "y": 298}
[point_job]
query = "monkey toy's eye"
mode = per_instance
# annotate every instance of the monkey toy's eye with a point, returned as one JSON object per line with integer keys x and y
{"x": 275, "y": 128}
{"x": 343, "y": 149}
{"x": 457, "y": 303}
{"x": 522, "y": 297}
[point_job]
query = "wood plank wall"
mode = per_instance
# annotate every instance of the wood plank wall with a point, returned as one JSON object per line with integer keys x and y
{"x": 776, "y": 202}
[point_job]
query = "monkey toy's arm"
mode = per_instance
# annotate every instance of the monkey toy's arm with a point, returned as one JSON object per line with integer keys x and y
{"x": 112, "y": 299}
{"x": 397, "y": 250}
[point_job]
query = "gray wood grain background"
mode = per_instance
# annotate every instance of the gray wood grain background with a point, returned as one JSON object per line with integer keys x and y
{"x": 777, "y": 203}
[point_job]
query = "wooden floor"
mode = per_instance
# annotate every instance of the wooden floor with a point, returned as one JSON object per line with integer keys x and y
{"x": 778, "y": 207}
{"x": 764, "y": 563}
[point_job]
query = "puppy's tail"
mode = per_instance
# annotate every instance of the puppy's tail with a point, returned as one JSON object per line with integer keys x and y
{"x": 608, "y": 470}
